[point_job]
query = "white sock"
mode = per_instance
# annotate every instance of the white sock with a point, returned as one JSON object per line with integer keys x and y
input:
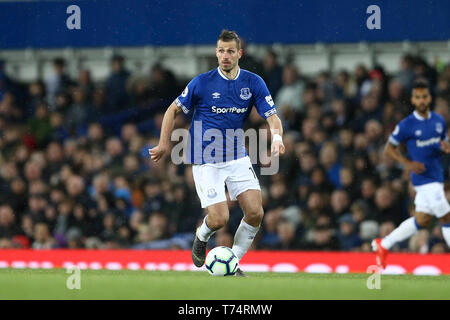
{"x": 243, "y": 238}
{"x": 446, "y": 233}
{"x": 405, "y": 230}
{"x": 204, "y": 232}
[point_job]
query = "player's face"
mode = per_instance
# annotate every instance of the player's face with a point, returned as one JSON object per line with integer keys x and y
{"x": 227, "y": 55}
{"x": 421, "y": 99}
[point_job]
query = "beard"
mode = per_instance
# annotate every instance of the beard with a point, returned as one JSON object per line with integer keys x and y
{"x": 228, "y": 67}
{"x": 422, "y": 107}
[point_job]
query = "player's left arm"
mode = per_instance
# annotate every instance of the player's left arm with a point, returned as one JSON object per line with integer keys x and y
{"x": 266, "y": 108}
{"x": 276, "y": 130}
{"x": 445, "y": 144}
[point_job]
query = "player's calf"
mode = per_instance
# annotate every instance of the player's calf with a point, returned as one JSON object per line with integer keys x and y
{"x": 217, "y": 218}
{"x": 445, "y": 221}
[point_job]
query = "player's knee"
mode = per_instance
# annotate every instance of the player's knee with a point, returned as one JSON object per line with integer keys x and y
{"x": 445, "y": 219}
{"x": 217, "y": 222}
{"x": 423, "y": 220}
{"x": 255, "y": 216}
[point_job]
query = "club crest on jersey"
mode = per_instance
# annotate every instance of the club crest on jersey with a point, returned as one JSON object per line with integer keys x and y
{"x": 216, "y": 95}
{"x": 439, "y": 128}
{"x": 418, "y": 133}
{"x": 245, "y": 94}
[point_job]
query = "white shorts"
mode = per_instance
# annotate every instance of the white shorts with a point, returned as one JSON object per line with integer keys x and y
{"x": 210, "y": 180}
{"x": 430, "y": 198}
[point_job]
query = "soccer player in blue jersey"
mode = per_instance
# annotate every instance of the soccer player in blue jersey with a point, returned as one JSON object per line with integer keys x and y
{"x": 222, "y": 99}
{"x": 424, "y": 133}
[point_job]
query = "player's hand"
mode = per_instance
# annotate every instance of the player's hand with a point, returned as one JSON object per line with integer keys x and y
{"x": 416, "y": 167}
{"x": 277, "y": 148}
{"x": 157, "y": 152}
{"x": 445, "y": 147}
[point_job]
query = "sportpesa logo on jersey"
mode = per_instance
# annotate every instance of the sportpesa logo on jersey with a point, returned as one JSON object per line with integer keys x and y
{"x": 218, "y": 110}
{"x": 429, "y": 142}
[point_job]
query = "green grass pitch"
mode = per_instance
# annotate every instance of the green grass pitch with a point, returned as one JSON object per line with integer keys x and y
{"x": 177, "y": 285}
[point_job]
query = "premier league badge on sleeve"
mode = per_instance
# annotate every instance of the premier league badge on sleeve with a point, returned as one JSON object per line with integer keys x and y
{"x": 439, "y": 128}
{"x": 269, "y": 100}
{"x": 185, "y": 92}
{"x": 245, "y": 94}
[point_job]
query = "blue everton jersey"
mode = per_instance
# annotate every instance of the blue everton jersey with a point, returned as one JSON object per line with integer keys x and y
{"x": 423, "y": 140}
{"x": 219, "y": 107}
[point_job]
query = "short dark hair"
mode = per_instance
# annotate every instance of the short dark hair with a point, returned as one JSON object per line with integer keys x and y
{"x": 421, "y": 84}
{"x": 228, "y": 35}
{"x": 117, "y": 58}
{"x": 60, "y": 62}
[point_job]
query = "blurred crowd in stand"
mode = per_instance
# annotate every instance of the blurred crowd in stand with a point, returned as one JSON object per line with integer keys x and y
{"x": 75, "y": 170}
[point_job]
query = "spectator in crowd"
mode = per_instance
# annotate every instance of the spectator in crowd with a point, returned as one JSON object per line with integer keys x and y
{"x": 76, "y": 114}
{"x": 329, "y": 160}
{"x": 37, "y": 96}
{"x": 406, "y": 76}
{"x": 340, "y": 203}
{"x": 58, "y": 82}
{"x": 8, "y": 226}
{"x": 43, "y": 238}
{"x": 287, "y": 99}
{"x": 348, "y": 236}
{"x": 287, "y": 237}
{"x": 116, "y": 85}
{"x": 5, "y": 81}
{"x": 323, "y": 239}
{"x": 248, "y": 62}
{"x": 40, "y": 127}
{"x": 163, "y": 87}
{"x": 273, "y": 72}
{"x": 85, "y": 84}
{"x": 386, "y": 206}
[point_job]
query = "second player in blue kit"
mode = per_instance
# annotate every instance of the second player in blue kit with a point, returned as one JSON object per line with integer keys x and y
{"x": 424, "y": 133}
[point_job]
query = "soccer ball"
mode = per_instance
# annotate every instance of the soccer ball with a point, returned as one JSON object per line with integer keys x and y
{"x": 221, "y": 261}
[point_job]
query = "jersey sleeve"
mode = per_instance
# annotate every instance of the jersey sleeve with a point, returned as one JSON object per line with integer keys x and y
{"x": 399, "y": 135}
{"x": 187, "y": 99}
{"x": 262, "y": 99}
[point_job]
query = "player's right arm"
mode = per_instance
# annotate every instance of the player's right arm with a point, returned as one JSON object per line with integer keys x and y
{"x": 157, "y": 152}
{"x": 398, "y": 136}
{"x": 393, "y": 152}
{"x": 182, "y": 103}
